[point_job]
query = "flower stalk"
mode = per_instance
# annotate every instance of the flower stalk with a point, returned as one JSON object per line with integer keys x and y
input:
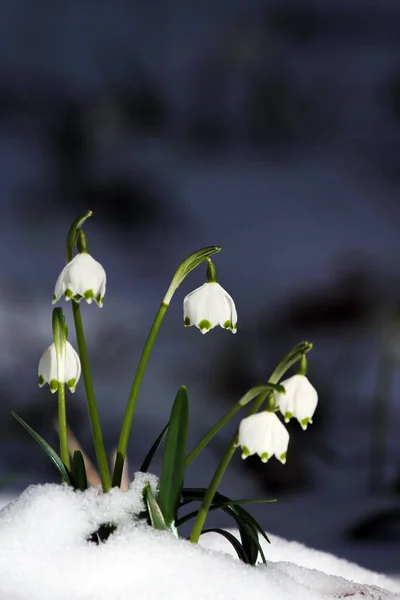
{"x": 76, "y": 235}
{"x": 91, "y": 400}
{"x": 181, "y": 273}
{"x": 248, "y": 397}
{"x": 287, "y": 361}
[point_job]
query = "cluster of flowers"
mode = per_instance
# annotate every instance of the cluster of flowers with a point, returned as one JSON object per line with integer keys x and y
{"x": 207, "y": 306}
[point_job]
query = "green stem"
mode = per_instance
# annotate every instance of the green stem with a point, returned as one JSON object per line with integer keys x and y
{"x": 290, "y": 359}
{"x": 210, "y": 493}
{"x": 91, "y": 400}
{"x": 244, "y": 400}
{"x": 62, "y": 426}
{"x": 130, "y": 407}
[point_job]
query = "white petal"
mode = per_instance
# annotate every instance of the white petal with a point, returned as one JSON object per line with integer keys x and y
{"x": 72, "y": 366}
{"x": 231, "y": 311}
{"x": 48, "y": 364}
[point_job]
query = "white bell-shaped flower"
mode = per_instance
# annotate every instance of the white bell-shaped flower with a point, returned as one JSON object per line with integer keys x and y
{"x": 265, "y": 435}
{"x": 208, "y": 306}
{"x": 70, "y": 371}
{"x": 300, "y": 400}
{"x": 82, "y": 277}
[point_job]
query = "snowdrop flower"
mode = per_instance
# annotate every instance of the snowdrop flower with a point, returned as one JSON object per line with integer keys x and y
{"x": 82, "y": 277}
{"x": 300, "y": 400}
{"x": 208, "y": 306}
{"x": 47, "y": 369}
{"x": 265, "y": 435}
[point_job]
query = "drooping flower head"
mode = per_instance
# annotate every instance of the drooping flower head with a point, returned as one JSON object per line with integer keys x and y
{"x": 210, "y": 305}
{"x": 69, "y": 373}
{"x": 82, "y": 277}
{"x": 265, "y": 435}
{"x": 300, "y": 400}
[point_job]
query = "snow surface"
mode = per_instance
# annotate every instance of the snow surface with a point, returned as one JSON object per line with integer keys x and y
{"x": 44, "y": 554}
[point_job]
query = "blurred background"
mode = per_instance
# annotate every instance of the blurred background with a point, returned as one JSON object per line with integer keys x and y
{"x": 271, "y": 128}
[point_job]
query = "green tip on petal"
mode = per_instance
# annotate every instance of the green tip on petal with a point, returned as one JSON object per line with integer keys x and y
{"x": 288, "y": 416}
{"x": 41, "y": 381}
{"x": 89, "y": 295}
{"x": 78, "y": 298}
{"x": 99, "y": 300}
{"x": 245, "y": 452}
{"x": 304, "y": 422}
{"x": 204, "y": 324}
{"x": 68, "y": 294}
{"x": 264, "y": 457}
{"x": 228, "y": 324}
{"x": 53, "y": 384}
{"x": 71, "y": 383}
{"x": 282, "y": 457}
{"x": 187, "y": 322}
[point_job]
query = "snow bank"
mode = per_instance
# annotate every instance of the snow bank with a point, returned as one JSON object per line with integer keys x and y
{"x": 44, "y": 554}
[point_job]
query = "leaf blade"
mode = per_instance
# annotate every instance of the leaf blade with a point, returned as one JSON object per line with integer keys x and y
{"x": 78, "y": 470}
{"x": 174, "y": 459}
{"x": 150, "y": 455}
{"x": 51, "y": 453}
{"x": 240, "y": 551}
{"x": 156, "y": 517}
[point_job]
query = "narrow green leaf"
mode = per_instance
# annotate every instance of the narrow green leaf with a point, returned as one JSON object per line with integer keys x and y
{"x": 52, "y": 454}
{"x": 174, "y": 460}
{"x": 240, "y": 551}
{"x": 248, "y": 526}
{"x": 118, "y": 470}
{"x": 78, "y": 470}
{"x": 150, "y": 455}
{"x": 156, "y": 517}
{"x": 216, "y": 506}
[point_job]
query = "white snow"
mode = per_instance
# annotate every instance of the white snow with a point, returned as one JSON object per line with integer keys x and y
{"x": 44, "y": 554}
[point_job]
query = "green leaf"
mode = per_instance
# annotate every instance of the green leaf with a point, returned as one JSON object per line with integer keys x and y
{"x": 240, "y": 551}
{"x": 248, "y": 526}
{"x": 52, "y": 454}
{"x": 150, "y": 455}
{"x": 118, "y": 470}
{"x": 174, "y": 460}
{"x": 156, "y": 517}
{"x": 216, "y": 506}
{"x": 78, "y": 470}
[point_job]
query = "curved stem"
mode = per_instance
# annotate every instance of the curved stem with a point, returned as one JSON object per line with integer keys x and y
{"x": 91, "y": 400}
{"x": 130, "y": 407}
{"x": 62, "y": 426}
{"x": 290, "y": 359}
{"x": 190, "y": 263}
{"x": 244, "y": 400}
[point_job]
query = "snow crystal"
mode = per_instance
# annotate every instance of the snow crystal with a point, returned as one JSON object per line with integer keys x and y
{"x": 45, "y": 554}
